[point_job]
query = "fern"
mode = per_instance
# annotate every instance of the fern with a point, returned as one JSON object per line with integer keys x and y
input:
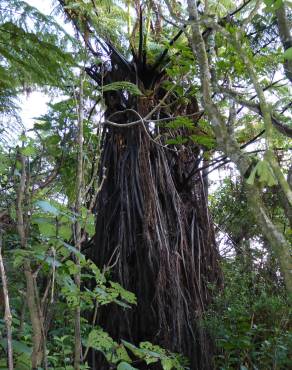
{"x": 32, "y": 55}
{"x": 30, "y": 58}
{"x": 123, "y": 85}
{"x": 10, "y": 129}
{"x": 31, "y": 19}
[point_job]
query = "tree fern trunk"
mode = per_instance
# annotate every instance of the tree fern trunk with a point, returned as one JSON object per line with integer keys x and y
{"x": 156, "y": 234}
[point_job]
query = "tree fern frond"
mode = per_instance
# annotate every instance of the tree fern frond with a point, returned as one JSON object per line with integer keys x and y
{"x": 38, "y": 60}
{"x": 122, "y": 85}
{"x": 31, "y": 19}
{"x": 11, "y": 128}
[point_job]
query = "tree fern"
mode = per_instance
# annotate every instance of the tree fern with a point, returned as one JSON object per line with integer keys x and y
{"x": 35, "y": 52}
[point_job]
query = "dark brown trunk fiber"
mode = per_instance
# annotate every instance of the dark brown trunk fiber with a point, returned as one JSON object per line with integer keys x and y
{"x": 153, "y": 226}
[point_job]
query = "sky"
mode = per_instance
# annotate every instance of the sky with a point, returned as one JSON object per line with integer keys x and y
{"x": 33, "y": 106}
{"x": 45, "y": 6}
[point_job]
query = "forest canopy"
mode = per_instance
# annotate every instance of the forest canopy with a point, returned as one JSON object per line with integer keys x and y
{"x": 145, "y": 217}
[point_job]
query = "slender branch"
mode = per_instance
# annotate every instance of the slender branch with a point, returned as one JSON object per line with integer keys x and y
{"x": 267, "y": 118}
{"x": 284, "y": 129}
{"x": 92, "y": 109}
{"x": 48, "y": 180}
{"x": 7, "y": 314}
{"x": 245, "y": 3}
{"x": 173, "y": 15}
{"x": 252, "y": 13}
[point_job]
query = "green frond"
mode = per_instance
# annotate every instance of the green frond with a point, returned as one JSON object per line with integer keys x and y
{"x": 30, "y": 58}
{"x": 31, "y": 19}
{"x": 123, "y": 85}
{"x": 10, "y": 128}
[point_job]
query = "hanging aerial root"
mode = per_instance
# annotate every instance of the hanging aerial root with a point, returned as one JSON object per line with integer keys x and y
{"x": 165, "y": 243}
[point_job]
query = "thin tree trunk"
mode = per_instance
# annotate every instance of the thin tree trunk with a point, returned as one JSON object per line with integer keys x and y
{"x": 7, "y": 315}
{"x": 284, "y": 26}
{"x": 78, "y": 236}
{"x": 37, "y": 337}
{"x": 277, "y": 241}
{"x": 22, "y": 318}
{"x": 35, "y": 317}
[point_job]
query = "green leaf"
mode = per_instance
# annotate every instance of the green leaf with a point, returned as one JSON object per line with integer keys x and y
{"x": 42, "y": 125}
{"x": 28, "y": 151}
{"x": 144, "y": 352}
{"x": 18, "y": 346}
{"x": 125, "y": 294}
{"x": 47, "y": 207}
{"x": 179, "y": 140}
{"x": 288, "y": 54}
{"x": 181, "y": 122}
{"x": 272, "y": 5}
{"x": 47, "y": 229}
{"x": 89, "y": 225}
{"x": 100, "y": 340}
{"x": 113, "y": 351}
{"x": 167, "y": 364}
{"x": 18, "y": 165}
{"x": 251, "y": 178}
{"x": 135, "y": 350}
{"x": 65, "y": 232}
{"x": 266, "y": 174}
{"x": 72, "y": 267}
{"x": 73, "y": 250}
{"x": 23, "y": 362}
{"x": 152, "y": 350}
{"x": 269, "y": 3}
{"x": 23, "y": 138}
{"x": 207, "y": 141}
{"x": 53, "y": 140}
{"x": 122, "y": 354}
{"x": 125, "y": 366}
{"x": 19, "y": 255}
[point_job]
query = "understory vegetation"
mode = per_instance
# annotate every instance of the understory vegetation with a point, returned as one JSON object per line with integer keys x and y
{"x": 145, "y": 215}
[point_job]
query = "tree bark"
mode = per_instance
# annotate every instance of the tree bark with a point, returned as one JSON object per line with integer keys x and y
{"x": 7, "y": 314}
{"x": 34, "y": 311}
{"x": 36, "y": 321}
{"x": 284, "y": 26}
{"x": 77, "y": 234}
